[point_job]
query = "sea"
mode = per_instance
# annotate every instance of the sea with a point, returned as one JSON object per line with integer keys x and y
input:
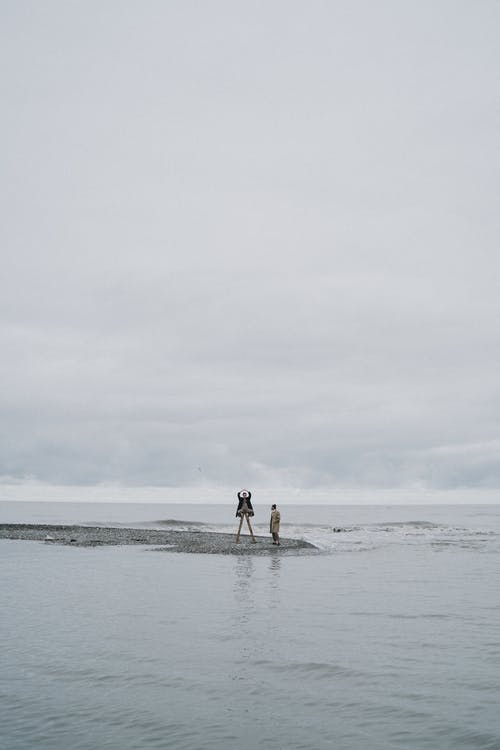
{"x": 388, "y": 637}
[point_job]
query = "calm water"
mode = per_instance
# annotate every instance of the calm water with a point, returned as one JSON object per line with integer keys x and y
{"x": 390, "y": 639}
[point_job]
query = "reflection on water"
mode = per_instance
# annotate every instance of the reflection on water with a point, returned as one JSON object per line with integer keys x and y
{"x": 252, "y": 590}
{"x": 245, "y": 608}
{"x": 275, "y": 568}
{"x": 243, "y": 591}
{"x": 244, "y": 569}
{"x": 274, "y": 591}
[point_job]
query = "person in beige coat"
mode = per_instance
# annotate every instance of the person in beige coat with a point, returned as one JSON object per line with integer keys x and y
{"x": 274, "y": 524}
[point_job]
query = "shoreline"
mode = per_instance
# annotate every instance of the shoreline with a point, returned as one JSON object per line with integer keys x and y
{"x": 202, "y": 542}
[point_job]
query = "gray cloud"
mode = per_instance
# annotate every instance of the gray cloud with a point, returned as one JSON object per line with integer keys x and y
{"x": 256, "y": 240}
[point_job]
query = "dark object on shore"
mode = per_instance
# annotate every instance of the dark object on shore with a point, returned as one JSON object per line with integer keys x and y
{"x": 170, "y": 541}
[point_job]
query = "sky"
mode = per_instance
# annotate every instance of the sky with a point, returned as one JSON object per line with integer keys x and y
{"x": 249, "y": 244}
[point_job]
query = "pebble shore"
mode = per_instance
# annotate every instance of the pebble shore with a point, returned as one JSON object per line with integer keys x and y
{"x": 168, "y": 541}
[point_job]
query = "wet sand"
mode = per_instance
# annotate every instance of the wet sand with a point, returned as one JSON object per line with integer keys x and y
{"x": 169, "y": 541}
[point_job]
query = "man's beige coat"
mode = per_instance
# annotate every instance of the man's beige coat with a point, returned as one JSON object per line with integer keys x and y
{"x": 275, "y": 522}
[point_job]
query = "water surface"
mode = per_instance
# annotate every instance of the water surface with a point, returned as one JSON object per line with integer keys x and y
{"x": 391, "y": 639}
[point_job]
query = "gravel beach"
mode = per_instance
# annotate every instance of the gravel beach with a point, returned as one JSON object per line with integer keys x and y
{"x": 169, "y": 541}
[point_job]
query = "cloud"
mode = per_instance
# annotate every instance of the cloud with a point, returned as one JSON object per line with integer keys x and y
{"x": 261, "y": 244}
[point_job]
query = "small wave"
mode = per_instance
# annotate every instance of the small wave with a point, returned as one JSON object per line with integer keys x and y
{"x": 291, "y": 524}
{"x": 176, "y": 522}
{"x": 320, "y": 670}
{"x": 373, "y": 535}
{"x": 397, "y": 525}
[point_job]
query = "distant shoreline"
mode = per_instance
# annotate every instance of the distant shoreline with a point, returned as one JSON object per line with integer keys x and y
{"x": 169, "y": 541}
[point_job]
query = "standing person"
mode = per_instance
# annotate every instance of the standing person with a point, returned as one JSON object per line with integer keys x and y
{"x": 244, "y": 511}
{"x": 274, "y": 525}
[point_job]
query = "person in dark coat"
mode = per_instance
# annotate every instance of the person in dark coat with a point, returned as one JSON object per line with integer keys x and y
{"x": 244, "y": 504}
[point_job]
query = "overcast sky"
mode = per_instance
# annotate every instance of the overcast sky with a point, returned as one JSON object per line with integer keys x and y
{"x": 250, "y": 244}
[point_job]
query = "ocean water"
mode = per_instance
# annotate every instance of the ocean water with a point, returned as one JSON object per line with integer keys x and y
{"x": 388, "y": 639}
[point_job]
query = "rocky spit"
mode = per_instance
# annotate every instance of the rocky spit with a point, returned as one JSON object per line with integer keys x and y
{"x": 168, "y": 541}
